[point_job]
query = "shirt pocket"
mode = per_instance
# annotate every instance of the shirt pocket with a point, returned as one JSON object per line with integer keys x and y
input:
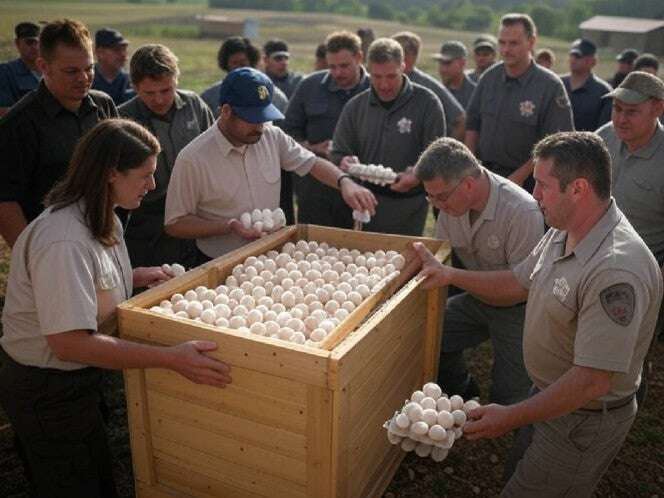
{"x": 559, "y": 312}
{"x": 270, "y": 171}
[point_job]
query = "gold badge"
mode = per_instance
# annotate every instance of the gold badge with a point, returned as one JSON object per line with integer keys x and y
{"x": 263, "y": 93}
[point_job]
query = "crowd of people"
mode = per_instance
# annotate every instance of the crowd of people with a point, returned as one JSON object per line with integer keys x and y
{"x": 546, "y": 186}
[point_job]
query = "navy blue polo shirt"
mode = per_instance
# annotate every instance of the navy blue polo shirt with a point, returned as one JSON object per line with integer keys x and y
{"x": 589, "y": 108}
{"x": 16, "y": 79}
{"x": 119, "y": 89}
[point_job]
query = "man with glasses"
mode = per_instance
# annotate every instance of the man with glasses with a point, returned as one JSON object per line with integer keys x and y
{"x": 586, "y": 90}
{"x": 21, "y": 75}
{"x": 492, "y": 224}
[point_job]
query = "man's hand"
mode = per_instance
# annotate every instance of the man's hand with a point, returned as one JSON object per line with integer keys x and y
{"x": 358, "y": 197}
{"x": 189, "y": 360}
{"x": 238, "y": 228}
{"x": 346, "y": 161}
{"x": 437, "y": 274}
{"x": 149, "y": 276}
{"x": 405, "y": 181}
{"x": 321, "y": 149}
{"x": 489, "y": 421}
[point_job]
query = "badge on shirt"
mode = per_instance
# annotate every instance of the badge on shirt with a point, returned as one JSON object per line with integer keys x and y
{"x": 619, "y": 301}
{"x": 404, "y": 125}
{"x": 493, "y": 242}
{"x": 560, "y": 288}
{"x": 527, "y": 108}
{"x": 562, "y": 102}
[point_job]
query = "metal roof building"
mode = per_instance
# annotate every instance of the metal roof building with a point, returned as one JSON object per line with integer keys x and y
{"x": 645, "y": 35}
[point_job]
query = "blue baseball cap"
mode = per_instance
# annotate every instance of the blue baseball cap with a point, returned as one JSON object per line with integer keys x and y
{"x": 249, "y": 93}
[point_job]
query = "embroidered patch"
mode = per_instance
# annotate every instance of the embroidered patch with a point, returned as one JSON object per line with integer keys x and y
{"x": 560, "y": 288}
{"x": 527, "y": 108}
{"x": 619, "y": 301}
{"x": 562, "y": 101}
{"x": 263, "y": 92}
{"x": 493, "y": 242}
{"x": 404, "y": 125}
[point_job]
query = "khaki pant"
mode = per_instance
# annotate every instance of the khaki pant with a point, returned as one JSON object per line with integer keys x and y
{"x": 567, "y": 456}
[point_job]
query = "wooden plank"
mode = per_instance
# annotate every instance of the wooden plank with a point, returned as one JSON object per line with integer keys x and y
{"x": 384, "y": 473}
{"x": 139, "y": 426}
{"x": 368, "y": 241}
{"x": 279, "y": 358}
{"x": 190, "y": 482}
{"x": 341, "y": 427}
{"x": 319, "y": 443}
{"x": 436, "y": 299}
{"x": 273, "y": 439}
{"x": 350, "y": 356}
{"x": 228, "y": 457}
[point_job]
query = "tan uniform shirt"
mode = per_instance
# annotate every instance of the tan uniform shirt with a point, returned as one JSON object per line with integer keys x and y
{"x": 60, "y": 279}
{"x": 503, "y": 234}
{"x": 596, "y": 307}
{"x": 213, "y": 179}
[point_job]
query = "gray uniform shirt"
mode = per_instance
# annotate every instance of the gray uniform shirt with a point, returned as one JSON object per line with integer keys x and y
{"x": 638, "y": 185}
{"x": 393, "y": 137}
{"x": 595, "y": 307}
{"x": 513, "y": 114}
{"x": 190, "y": 117}
{"x": 453, "y": 109}
{"x": 464, "y": 93}
{"x": 288, "y": 83}
{"x": 504, "y": 233}
{"x": 316, "y": 105}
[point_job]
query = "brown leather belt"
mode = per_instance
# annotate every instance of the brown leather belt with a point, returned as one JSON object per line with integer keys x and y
{"x": 600, "y": 406}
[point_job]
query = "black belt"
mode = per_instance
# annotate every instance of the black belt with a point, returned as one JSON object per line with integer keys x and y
{"x": 600, "y": 406}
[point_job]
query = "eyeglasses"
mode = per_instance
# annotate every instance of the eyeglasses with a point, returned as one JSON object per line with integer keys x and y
{"x": 443, "y": 196}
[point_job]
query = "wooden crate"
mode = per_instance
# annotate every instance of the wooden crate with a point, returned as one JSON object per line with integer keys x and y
{"x": 297, "y": 421}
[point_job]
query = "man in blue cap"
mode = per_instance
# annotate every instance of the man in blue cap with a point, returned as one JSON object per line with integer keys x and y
{"x": 21, "y": 75}
{"x": 585, "y": 89}
{"x": 236, "y": 167}
{"x": 111, "y": 55}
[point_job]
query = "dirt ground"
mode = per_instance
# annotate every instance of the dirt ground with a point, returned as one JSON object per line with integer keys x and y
{"x": 472, "y": 469}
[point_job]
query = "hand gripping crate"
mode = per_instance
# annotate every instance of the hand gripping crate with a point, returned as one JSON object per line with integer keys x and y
{"x": 297, "y": 421}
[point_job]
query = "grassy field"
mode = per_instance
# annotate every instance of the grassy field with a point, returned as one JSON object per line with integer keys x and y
{"x": 473, "y": 469}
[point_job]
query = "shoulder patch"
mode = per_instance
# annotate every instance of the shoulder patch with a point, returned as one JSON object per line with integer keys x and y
{"x": 618, "y": 302}
{"x": 562, "y": 101}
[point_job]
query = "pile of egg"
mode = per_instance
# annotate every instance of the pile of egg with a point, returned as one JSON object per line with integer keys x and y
{"x": 299, "y": 295}
{"x": 429, "y": 422}
{"x": 373, "y": 173}
{"x": 266, "y": 220}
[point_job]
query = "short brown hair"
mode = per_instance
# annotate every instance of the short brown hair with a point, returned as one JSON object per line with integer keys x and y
{"x": 112, "y": 145}
{"x": 65, "y": 32}
{"x": 577, "y": 154}
{"x": 343, "y": 40}
{"x": 523, "y": 19}
{"x": 153, "y": 61}
{"x": 409, "y": 41}
{"x": 545, "y": 54}
{"x": 384, "y": 50}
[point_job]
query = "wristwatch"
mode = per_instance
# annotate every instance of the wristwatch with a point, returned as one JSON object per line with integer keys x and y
{"x": 341, "y": 178}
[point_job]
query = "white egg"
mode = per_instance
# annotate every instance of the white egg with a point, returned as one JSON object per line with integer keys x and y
{"x": 470, "y": 405}
{"x": 282, "y": 260}
{"x": 288, "y": 248}
{"x": 207, "y": 304}
{"x": 231, "y": 281}
{"x": 182, "y": 314}
{"x": 245, "y": 219}
{"x": 236, "y": 322}
{"x": 443, "y": 404}
{"x": 265, "y": 301}
{"x": 270, "y": 265}
{"x": 288, "y": 299}
{"x": 257, "y": 293}
{"x": 165, "y": 304}
{"x": 432, "y": 390}
{"x": 247, "y": 287}
{"x": 458, "y": 432}
{"x": 176, "y": 297}
{"x": 331, "y": 307}
{"x": 194, "y": 309}
{"x": 254, "y": 316}
{"x": 282, "y": 318}
{"x": 298, "y": 338}
{"x": 278, "y": 308}
{"x": 222, "y": 310}
{"x": 191, "y": 295}
{"x": 315, "y": 305}
{"x": 311, "y": 323}
{"x": 256, "y": 215}
{"x": 269, "y": 315}
{"x": 419, "y": 428}
{"x": 445, "y": 420}
{"x": 177, "y": 269}
{"x": 437, "y": 433}
{"x": 339, "y": 296}
{"x": 248, "y": 302}
{"x": 326, "y": 325}
{"x": 414, "y": 411}
{"x": 208, "y": 316}
{"x": 318, "y": 335}
{"x": 402, "y": 421}
{"x": 287, "y": 283}
{"x": 200, "y": 290}
{"x": 232, "y": 303}
{"x": 348, "y": 306}
{"x": 180, "y": 306}
{"x": 240, "y": 310}
{"x": 394, "y": 438}
{"x": 257, "y": 328}
{"x": 457, "y": 402}
{"x": 459, "y": 417}
{"x": 236, "y": 294}
{"x": 296, "y": 324}
{"x": 221, "y": 322}
{"x": 408, "y": 445}
{"x": 285, "y": 333}
{"x": 423, "y": 450}
{"x": 221, "y": 299}
{"x": 398, "y": 261}
{"x": 257, "y": 281}
{"x": 271, "y": 327}
{"x": 157, "y": 309}
{"x": 341, "y": 314}
{"x": 344, "y": 287}
{"x": 320, "y": 315}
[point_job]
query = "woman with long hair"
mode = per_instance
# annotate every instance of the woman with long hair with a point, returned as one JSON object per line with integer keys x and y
{"x": 69, "y": 270}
